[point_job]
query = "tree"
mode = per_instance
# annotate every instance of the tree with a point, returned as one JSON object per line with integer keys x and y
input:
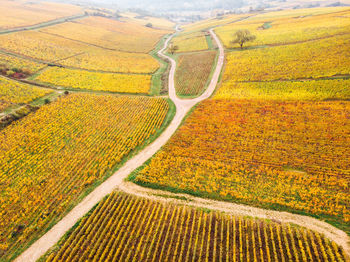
{"x": 243, "y": 36}
{"x": 173, "y": 49}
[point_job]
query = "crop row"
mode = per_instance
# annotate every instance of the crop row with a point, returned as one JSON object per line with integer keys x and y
{"x": 125, "y": 228}
{"x": 192, "y": 72}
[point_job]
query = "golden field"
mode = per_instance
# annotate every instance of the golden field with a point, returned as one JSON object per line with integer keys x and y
{"x": 143, "y": 230}
{"x": 336, "y": 89}
{"x": 78, "y": 79}
{"x": 48, "y": 159}
{"x": 12, "y": 92}
{"x": 292, "y": 155}
{"x": 321, "y": 58}
{"x": 110, "y": 34}
{"x": 285, "y": 30}
{"x": 25, "y": 13}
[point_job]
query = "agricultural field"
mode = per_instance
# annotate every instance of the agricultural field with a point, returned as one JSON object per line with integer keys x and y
{"x": 50, "y": 158}
{"x": 12, "y": 92}
{"x": 11, "y": 63}
{"x": 321, "y": 58}
{"x": 125, "y": 228}
{"x": 110, "y": 34}
{"x": 292, "y": 155}
{"x": 156, "y": 22}
{"x": 192, "y": 72}
{"x": 214, "y": 22}
{"x": 79, "y": 79}
{"x": 25, "y": 13}
{"x": 286, "y": 30}
{"x": 55, "y": 49}
{"x": 112, "y": 61}
{"x": 38, "y": 45}
{"x": 336, "y": 89}
{"x": 190, "y": 42}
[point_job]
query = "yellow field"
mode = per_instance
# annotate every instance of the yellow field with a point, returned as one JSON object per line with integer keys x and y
{"x": 12, "y": 92}
{"x": 288, "y": 30}
{"x": 48, "y": 159}
{"x": 11, "y": 62}
{"x": 190, "y": 42}
{"x": 39, "y": 45}
{"x": 113, "y": 61}
{"x": 320, "y": 58}
{"x": 307, "y": 90}
{"x": 109, "y": 33}
{"x": 71, "y": 78}
{"x": 53, "y": 48}
{"x": 24, "y": 13}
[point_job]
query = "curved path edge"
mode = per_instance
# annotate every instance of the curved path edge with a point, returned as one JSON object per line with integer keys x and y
{"x": 116, "y": 181}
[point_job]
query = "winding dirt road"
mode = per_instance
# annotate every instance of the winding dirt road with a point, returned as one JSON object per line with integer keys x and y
{"x": 116, "y": 181}
{"x": 42, "y": 245}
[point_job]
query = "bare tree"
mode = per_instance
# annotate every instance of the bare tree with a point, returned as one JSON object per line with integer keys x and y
{"x": 173, "y": 49}
{"x": 243, "y": 36}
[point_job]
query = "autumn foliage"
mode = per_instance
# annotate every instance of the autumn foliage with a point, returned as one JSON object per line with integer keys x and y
{"x": 48, "y": 159}
{"x": 125, "y": 228}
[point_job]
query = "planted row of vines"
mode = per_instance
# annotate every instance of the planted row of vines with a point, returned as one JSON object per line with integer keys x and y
{"x": 48, "y": 159}
{"x": 127, "y": 228}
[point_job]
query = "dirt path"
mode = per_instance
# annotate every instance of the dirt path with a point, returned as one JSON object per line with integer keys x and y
{"x": 116, "y": 181}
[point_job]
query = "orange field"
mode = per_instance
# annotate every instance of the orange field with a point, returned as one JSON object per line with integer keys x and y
{"x": 290, "y": 155}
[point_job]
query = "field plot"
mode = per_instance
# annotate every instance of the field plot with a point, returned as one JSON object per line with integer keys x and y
{"x": 291, "y": 155}
{"x": 209, "y": 23}
{"x": 40, "y": 46}
{"x": 287, "y": 90}
{"x": 156, "y": 22}
{"x": 48, "y": 159}
{"x": 321, "y": 58}
{"x": 190, "y": 42}
{"x": 125, "y": 228}
{"x": 25, "y": 13}
{"x": 193, "y": 71}
{"x": 112, "y": 61}
{"x": 78, "y": 79}
{"x": 52, "y": 48}
{"x": 291, "y": 29}
{"x": 111, "y": 34}
{"x": 12, "y": 92}
{"x": 13, "y": 63}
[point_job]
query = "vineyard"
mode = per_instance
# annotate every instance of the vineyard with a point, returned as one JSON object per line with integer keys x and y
{"x": 78, "y": 79}
{"x": 16, "y": 14}
{"x": 109, "y": 34}
{"x": 322, "y": 58}
{"x": 287, "y": 90}
{"x": 51, "y": 48}
{"x": 125, "y": 228}
{"x": 290, "y": 29}
{"x": 10, "y": 63}
{"x": 48, "y": 159}
{"x": 12, "y": 92}
{"x": 288, "y": 155}
{"x": 190, "y": 42}
{"x": 192, "y": 72}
